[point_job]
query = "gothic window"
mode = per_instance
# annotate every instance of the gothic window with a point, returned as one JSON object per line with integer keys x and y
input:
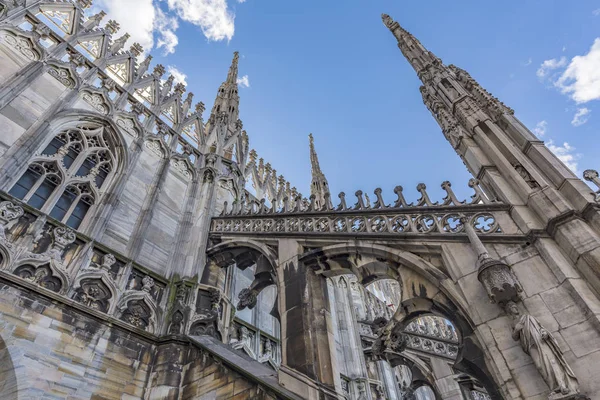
{"x": 73, "y": 204}
{"x": 71, "y": 173}
{"x": 37, "y": 184}
{"x": 262, "y": 330}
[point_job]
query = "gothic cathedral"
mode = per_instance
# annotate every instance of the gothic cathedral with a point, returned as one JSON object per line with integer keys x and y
{"x": 148, "y": 254}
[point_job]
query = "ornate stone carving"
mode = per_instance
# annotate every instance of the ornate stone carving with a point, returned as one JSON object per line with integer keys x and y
{"x": 8, "y": 212}
{"x": 41, "y": 275}
{"x": 248, "y": 298}
{"x": 526, "y": 176}
{"x": 62, "y": 238}
{"x": 21, "y": 44}
{"x": 181, "y": 166}
{"x": 155, "y": 147}
{"x": 128, "y": 126}
{"x": 93, "y": 293}
{"x": 63, "y": 75}
{"x": 177, "y": 321}
{"x": 546, "y": 354}
{"x": 96, "y": 101}
{"x": 137, "y": 314}
{"x": 147, "y": 284}
{"x": 591, "y": 175}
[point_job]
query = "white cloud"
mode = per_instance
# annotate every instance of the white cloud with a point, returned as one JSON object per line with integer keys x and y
{"x": 550, "y": 65}
{"x": 178, "y": 76}
{"x": 596, "y": 12}
{"x": 581, "y": 116}
{"x": 540, "y": 128}
{"x": 212, "y": 16}
{"x": 150, "y": 26}
{"x": 135, "y": 17}
{"x": 565, "y": 153}
{"x": 165, "y": 27}
{"x": 244, "y": 81}
{"x": 581, "y": 79}
{"x": 528, "y": 63}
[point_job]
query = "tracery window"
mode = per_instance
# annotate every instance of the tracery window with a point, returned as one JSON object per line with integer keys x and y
{"x": 70, "y": 175}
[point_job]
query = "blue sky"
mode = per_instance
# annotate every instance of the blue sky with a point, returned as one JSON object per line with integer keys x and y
{"x": 333, "y": 69}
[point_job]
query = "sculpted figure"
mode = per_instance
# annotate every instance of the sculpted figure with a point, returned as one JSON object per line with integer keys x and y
{"x": 545, "y": 353}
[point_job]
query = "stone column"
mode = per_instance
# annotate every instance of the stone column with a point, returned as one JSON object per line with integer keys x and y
{"x": 309, "y": 365}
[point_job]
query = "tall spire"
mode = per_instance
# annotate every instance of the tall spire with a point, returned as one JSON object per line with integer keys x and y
{"x": 233, "y": 69}
{"x": 319, "y": 186}
{"x": 225, "y": 113}
{"x": 416, "y": 54}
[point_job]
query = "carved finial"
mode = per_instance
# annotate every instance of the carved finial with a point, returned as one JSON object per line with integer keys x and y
{"x": 479, "y": 196}
{"x": 450, "y": 197}
{"x": 379, "y": 202}
{"x": 424, "y": 200}
{"x": 401, "y": 201}
{"x": 200, "y": 108}
{"x": 85, "y": 3}
{"x": 112, "y": 26}
{"x": 179, "y": 88}
{"x": 342, "y": 205}
{"x": 136, "y": 49}
{"x": 387, "y": 20}
{"x": 159, "y": 70}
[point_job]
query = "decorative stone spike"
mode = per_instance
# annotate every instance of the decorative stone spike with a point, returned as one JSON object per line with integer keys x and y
{"x": 94, "y": 21}
{"x": 286, "y": 204}
{"x": 360, "y": 205}
{"x": 312, "y": 202}
{"x": 479, "y": 196}
{"x": 261, "y": 208}
{"x": 450, "y": 197}
{"x": 424, "y": 200}
{"x": 167, "y": 86}
{"x": 401, "y": 201}
{"x": 342, "y": 206}
{"x": 328, "y": 206}
{"x": 143, "y": 67}
{"x": 591, "y": 175}
{"x": 298, "y": 206}
{"x": 379, "y": 202}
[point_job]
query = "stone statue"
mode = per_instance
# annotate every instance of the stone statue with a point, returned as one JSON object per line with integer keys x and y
{"x": 546, "y": 354}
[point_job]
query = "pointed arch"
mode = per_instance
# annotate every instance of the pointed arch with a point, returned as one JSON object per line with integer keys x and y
{"x": 82, "y": 158}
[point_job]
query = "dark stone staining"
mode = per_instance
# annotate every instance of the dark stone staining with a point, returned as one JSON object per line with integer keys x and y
{"x": 41, "y": 276}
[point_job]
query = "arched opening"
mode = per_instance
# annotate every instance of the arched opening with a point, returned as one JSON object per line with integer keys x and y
{"x": 8, "y": 379}
{"x": 246, "y": 276}
{"x": 431, "y": 321}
